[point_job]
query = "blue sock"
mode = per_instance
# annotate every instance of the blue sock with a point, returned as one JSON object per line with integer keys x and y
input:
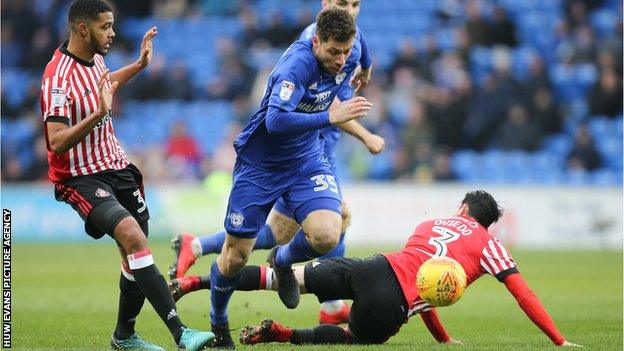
{"x": 213, "y": 243}
{"x": 338, "y": 251}
{"x": 221, "y": 289}
{"x": 264, "y": 238}
{"x": 297, "y": 250}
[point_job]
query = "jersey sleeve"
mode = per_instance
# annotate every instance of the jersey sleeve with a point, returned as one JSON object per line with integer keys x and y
{"x": 290, "y": 82}
{"x": 308, "y": 32}
{"x": 365, "y": 58}
{"x": 496, "y": 260}
{"x": 56, "y": 98}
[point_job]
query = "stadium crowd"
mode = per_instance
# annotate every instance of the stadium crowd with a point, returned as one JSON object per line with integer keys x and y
{"x": 462, "y": 84}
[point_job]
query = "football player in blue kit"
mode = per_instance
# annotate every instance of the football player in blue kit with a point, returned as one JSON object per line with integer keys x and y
{"x": 281, "y": 224}
{"x": 280, "y": 153}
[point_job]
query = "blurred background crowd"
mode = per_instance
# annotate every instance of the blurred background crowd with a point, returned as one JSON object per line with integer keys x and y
{"x": 485, "y": 91}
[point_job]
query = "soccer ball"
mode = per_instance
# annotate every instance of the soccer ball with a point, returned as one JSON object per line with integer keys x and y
{"x": 441, "y": 281}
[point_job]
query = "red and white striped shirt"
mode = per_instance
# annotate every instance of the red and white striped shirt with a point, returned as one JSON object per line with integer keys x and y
{"x": 69, "y": 93}
{"x": 461, "y": 238}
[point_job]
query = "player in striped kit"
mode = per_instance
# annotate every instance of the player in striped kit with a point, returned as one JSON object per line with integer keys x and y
{"x": 91, "y": 172}
{"x": 383, "y": 287}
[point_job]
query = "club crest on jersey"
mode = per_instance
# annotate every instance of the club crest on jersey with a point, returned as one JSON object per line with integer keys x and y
{"x": 236, "y": 219}
{"x": 101, "y": 193}
{"x": 340, "y": 77}
{"x": 287, "y": 90}
{"x": 58, "y": 97}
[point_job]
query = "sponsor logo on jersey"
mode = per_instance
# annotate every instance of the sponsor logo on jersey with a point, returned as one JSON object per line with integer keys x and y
{"x": 58, "y": 96}
{"x": 87, "y": 92}
{"x": 340, "y": 77}
{"x": 320, "y": 97}
{"x": 287, "y": 90}
{"x": 236, "y": 219}
{"x": 101, "y": 193}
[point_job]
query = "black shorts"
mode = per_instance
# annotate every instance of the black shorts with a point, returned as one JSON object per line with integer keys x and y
{"x": 84, "y": 193}
{"x": 379, "y": 308}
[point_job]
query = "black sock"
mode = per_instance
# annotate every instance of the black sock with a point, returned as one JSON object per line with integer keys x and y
{"x": 250, "y": 278}
{"x": 204, "y": 282}
{"x": 154, "y": 287}
{"x": 323, "y": 334}
{"x": 131, "y": 300}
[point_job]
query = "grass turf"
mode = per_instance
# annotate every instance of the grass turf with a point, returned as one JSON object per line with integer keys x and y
{"x": 65, "y": 298}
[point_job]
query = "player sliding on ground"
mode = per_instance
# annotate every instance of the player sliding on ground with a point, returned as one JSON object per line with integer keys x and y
{"x": 91, "y": 172}
{"x": 383, "y": 286}
{"x": 281, "y": 225}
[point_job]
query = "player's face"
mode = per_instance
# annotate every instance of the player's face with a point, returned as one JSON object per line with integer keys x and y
{"x": 351, "y": 6}
{"x": 101, "y": 34}
{"x": 332, "y": 54}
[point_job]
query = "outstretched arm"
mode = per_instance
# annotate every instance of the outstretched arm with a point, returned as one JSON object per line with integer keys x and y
{"x": 373, "y": 142}
{"x": 123, "y": 75}
{"x": 533, "y": 308}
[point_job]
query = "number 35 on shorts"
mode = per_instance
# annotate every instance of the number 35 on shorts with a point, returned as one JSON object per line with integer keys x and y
{"x": 324, "y": 182}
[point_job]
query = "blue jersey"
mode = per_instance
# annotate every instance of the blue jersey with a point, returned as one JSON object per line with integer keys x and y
{"x": 297, "y": 84}
{"x": 359, "y": 56}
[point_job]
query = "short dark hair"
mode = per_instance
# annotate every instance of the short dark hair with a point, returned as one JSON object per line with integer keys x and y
{"x": 87, "y": 10}
{"x": 482, "y": 207}
{"x": 335, "y": 24}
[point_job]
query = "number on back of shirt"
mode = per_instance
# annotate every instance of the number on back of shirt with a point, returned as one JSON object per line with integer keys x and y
{"x": 324, "y": 182}
{"x": 446, "y": 236}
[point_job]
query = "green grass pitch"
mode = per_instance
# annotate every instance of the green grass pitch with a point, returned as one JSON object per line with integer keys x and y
{"x": 65, "y": 298}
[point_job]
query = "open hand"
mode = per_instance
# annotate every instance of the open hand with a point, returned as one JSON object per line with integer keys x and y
{"x": 106, "y": 94}
{"x": 360, "y": 78}
{"x": 146, "y": 47}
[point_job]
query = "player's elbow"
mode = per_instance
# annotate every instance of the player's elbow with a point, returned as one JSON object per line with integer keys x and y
{"x": 273, "y": 124}
{"x": 57, "y": 146}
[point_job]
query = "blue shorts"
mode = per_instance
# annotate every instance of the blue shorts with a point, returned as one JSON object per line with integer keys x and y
{"x": 304, "y": 189}
{"x": 284, "y": 208}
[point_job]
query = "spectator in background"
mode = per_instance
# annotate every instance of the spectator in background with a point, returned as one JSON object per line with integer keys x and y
{"x": 476, "y": 27}
{"x": 153, "y": 84}
{"x": 178, "y": 82}
{"x": 405, "y": 57}
{"x": 583, "y": 156}
{"x": 182, "y": 151}
{"x": 606, "y": 97}
{"x": 277, "y": 32}
{"x": 37, "y": 170}
{"x": 545, "y": 112}
{"x": 442, "y": 170}
{"x": 517, "y": 133}
{"x": 501, "y": 31}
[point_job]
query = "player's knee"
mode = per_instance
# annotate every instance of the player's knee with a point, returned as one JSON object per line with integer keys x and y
{"x": 130, "y": 236}
{"x": 236, "y": 258}
{"x": 283, "y": 228}
{"x": 324, "y": 238}
{"x": 346, "y": 221}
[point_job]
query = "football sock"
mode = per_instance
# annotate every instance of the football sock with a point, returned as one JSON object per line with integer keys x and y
{"x": 252, "y": 278}
{"x": 323, "y": 334}
{"x": 221, "y": 289}
{"x": 213, "y": 243}
{"x": 297, "y": 250}
{"x": 154, "y": 287}
{"x": 130, "y": 303}
{"x": 204, "y": 282}
{"x": 337, "y": 251}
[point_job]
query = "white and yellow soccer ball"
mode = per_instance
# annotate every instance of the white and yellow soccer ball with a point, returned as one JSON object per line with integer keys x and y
{"x": 441, "y": 281}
